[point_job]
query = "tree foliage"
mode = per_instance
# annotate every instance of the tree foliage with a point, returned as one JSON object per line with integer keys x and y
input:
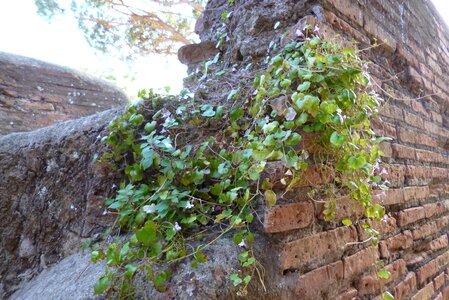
{"x": 130, "y": 26}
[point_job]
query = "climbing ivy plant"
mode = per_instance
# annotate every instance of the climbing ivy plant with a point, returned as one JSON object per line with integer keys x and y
{"x": 187, "y": 186}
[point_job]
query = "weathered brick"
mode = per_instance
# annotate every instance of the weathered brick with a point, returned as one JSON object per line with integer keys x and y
{"x": 288, "y": 216}
{"x": 348, "y": 9}
{"x": 388, "y": 197}
{"x": 328, "y": 245}
{"x": 357, "y": 263}
{"x": 395, "y": 243}
{"x": 411, "y": 215}
{"x": 370, "y": 284}
{"x": 446, "y": 293}
{"x": 405, "y": 287}
{"x": 439, "y": 281}
{"x": 426, "y": 271}
{"x": 413, "y": 120}
{"x": 320, "y": 283}
{"x": 401, "y": 151}
{"x": 424, "y": 230}
{"x": 340, "y": 24}
{"x": 347, "y": 295}
{"x": 416, "y": 193}
{"x": 425, "y": 293}
{"x": 385, "y": 225}
{"x": 437, "y": 244}
{"x": 434, "y": 209}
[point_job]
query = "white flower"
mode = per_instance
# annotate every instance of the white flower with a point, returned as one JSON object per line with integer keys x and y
{"x": 242, "y": 244}
{"x": 316, "y": 29}
{"x": 383, "y": 172}
{"x": 149, "y": 209}
{"x": 105, "y": 212}
{"x": 384, "y": 218}
{"x": 189, "y": 205}
{"x": 177, "y": 227}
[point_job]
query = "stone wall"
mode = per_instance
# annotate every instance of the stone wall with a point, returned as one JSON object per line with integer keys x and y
{"x": 306, "y": 257}
{"x": 35, "y": 94}
{"x": 411, "y": 66}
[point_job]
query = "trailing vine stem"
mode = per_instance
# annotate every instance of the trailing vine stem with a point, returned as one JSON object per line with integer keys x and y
{"x": 186, "y": 188}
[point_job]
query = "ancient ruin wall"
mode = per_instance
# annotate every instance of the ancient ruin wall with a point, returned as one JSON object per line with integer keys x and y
{"x": 35, "y": 94}
{"x": 325, "y": 260}
{"x": 411, "y": 70}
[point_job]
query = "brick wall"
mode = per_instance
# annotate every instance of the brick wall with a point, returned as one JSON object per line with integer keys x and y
{"x": 36, "y": 94}
{"x": 329, "y": 261}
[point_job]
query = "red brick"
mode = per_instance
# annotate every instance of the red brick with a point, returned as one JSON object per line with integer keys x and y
{"x": 434, "y": 209}
{"x": 370, "y": 284}
{"x": 348, "y": 9}
{"x": 405, "y": 287}
{"x": 320, "y": 283}
{"x": 395, "y": 243}
{"x": 347, "y": 295}
{"x": 288, "y": 216}
{"x": 434, "y": 245}
{"x": 389, "y": 197}
{"x": 426, "y": 271}
{"x": 385, "y": 225}
{"x": 404, "y": 152}
{"x": 328, "y": 245}
{"x": 413, "y": 120}
{"x": 446, "y": 293}
{"x": 357, "y": 263}
{"x": 423, "y": 231}
{"x": 411, "y": 215}
{"x": 425, "y": 293}
{"x": 439, "y": 281}
{"x": 416, "y": 193}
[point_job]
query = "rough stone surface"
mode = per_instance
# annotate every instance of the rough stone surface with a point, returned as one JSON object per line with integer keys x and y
{"x": 51, "y": 195}
{"x": 303, "y": 258}
{"x": 195, "y": 53}
{"x": 36, "y": 94}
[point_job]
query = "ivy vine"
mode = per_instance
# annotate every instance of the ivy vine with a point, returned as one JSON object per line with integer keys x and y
{"x": 186, "y": 187}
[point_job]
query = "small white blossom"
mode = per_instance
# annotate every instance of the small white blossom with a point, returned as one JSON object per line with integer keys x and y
{"x": 114, "y": 186}
{"x": 189, "y": 205}
{"x": 105, "y": 212}
{"x": 242, "y": 244}
{"x": 316, "y": 29}
{"x": 177, "y": 227}
{"x": 384, "y": 218}
{"x": 383, "y": 172}
{"x": 149, "y": 209}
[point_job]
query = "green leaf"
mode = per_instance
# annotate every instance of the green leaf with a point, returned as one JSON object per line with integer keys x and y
{"x": 303, "y": 86}
{"x": 101, "y": 286}
{"x": 130, "y": 270}
{"x": 147, "y": 234}
{"x": 208, "y": 110}
{"x": 293, "y": 139}
{"x": 337, "y": 139}
{"x": 387, "y": 296}
{"x": 249, "y": 262}
{"x": 301, "y": 119}
{"x": 270, "y": 197}
{"x": 236, "y": 280}
{"x": 383, "y": 274}
{"x": 346, "y": 222}
{"x": 236, "y": 113}
{"x": 329, "y": 107}
{"x": 136, "y": 119}
{"x": 150, "y": 126}
{"x": 270, "y": 127}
